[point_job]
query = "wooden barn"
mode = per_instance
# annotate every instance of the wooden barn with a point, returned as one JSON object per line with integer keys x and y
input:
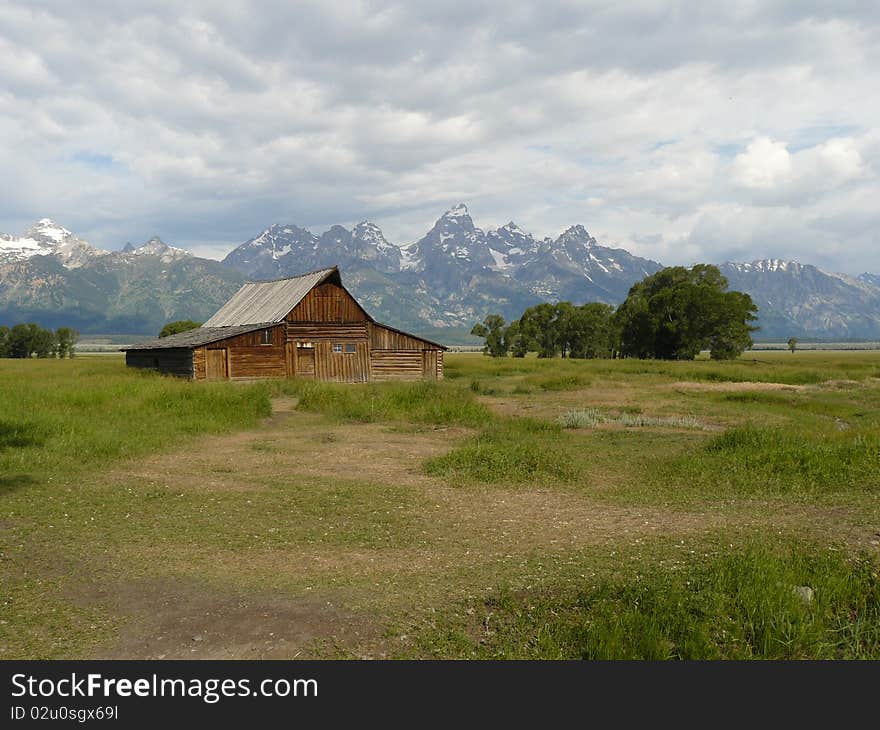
{"x": 305, "y": 326}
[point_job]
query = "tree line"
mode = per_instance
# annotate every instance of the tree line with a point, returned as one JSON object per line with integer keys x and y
{"x": 31, "y": 340}
{"x": 670, "y": 315}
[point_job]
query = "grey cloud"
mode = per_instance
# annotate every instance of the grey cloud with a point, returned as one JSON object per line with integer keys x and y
{"x": 225, "y": 117}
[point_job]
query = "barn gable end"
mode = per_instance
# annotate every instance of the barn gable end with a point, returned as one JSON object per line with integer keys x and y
{"x": 305, "y": 326}
{"x": 328, "y": 302}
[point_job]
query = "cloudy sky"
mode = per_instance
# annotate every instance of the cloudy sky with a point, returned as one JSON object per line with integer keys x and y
{"x": 678, "y": 130}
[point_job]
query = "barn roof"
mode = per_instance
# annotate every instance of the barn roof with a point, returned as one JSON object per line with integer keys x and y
{"x": 256, "y": 305}
{"x": 196, "y": 337}
{"x": 268, "y": 301}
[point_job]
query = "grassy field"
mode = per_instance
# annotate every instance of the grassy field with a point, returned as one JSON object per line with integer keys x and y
{"x": 518, "y": 509}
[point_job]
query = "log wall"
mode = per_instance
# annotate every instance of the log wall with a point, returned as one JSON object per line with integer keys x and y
{"x": 263, "y": 361}
{"x": 396, "y": 365}
{"x": 385, "y": 338}
{"x": 302, "y": 332}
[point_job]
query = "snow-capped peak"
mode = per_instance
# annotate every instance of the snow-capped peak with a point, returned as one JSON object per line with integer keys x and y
{"x": 157, "y": 247}
{"x": 457, "y": 211}
{"x": 48, "y": 230}
{"x": 371, "y": 233}
{"x": 576, "y": 232}
{"x": 47, "y": 238}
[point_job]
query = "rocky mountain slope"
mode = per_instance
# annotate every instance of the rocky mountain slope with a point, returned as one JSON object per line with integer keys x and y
{"x": 455, "y": 274}
{"x": 451, "y": 277}
{"x": 51, "y": 277}
{"x": 800, "y": 300}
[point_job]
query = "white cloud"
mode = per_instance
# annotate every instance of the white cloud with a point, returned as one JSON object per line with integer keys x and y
{"x": 765, "y": 165}
{"x": 682, "y": 132}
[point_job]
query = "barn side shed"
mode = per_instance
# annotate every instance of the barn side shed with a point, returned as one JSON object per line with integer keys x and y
{"x": 304, "y": 326}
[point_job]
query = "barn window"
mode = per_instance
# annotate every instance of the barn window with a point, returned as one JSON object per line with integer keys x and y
{"x": 337, "y": 347}
{"x": 350, "y": 347}
{"x": 267, "y": 337}
{"x": 306, "y": 345}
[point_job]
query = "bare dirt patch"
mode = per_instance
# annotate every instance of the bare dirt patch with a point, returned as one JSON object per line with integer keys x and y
{"x": 841, "y": 384}
{"x": 174, "y": 619}
{"x": 293, "y": 443}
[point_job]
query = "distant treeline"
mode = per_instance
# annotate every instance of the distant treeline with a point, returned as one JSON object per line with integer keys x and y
{"x": 31, "y": 340}
{"x": 670, "y": 315}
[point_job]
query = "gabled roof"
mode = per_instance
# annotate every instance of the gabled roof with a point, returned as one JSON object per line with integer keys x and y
{"x": 196, "y": 337}
{"x": 268, "y": 301}
{"x": 257, "y": 305}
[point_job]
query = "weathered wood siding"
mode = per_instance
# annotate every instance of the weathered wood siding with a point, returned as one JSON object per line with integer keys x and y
{"x": 247, "y": 357}
{"x": 304, "y": 362}
{"x": 251, "y": 339}
{"x": 399, "y": 356}
{"x": 217, "y": 364}
{"x": 396, "y": 365}
{"x": 328, "y": 303}
{"x": 174, "y": 361}
{"x": 302, "y": 332}
{"x": 199, "y": 363}
{"x": 264, "y": 361}
{"x": 385, "y": 338}
{"x": 343, "y": 367}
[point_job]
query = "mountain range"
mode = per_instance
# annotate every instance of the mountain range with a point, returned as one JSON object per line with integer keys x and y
{"x": 442, "y": 283}
{"x": 51, "y": 277}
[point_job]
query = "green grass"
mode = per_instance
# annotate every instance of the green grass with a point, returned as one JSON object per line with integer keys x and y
{"x": 739, "y": 603}
{"x": 63, "y": 416}
{"x": 79, "y": 509}
{"x": 804, "y": 368}
{"x": 435, "y": 403}
{"x": 511, "y": 451}
{"x": 770, "y": 461}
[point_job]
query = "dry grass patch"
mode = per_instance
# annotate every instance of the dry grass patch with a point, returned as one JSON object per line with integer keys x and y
{"x": 733, "y": 387}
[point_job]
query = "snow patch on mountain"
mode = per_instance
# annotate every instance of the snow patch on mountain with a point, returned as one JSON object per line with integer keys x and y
{"x": 157, "y": 247}
{"x": 767, "y": 265}
{"x": 47, "y": 238}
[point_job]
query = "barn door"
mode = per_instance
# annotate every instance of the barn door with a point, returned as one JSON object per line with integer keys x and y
{"x": 429, "y": 364}
{"x": 216, "y": 365}
{"x": 305, "y": 360}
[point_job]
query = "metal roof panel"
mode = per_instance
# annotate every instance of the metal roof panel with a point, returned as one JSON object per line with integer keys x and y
{"x": 266, "y": 301}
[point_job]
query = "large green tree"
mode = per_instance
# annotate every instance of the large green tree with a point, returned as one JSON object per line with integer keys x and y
{"x": 28, "y": 340}
{"x": 678, "y": 311}
{"x": 491, "y": 330}
{"x": 587, "y": 331}
{"x": 538, "y": 326}
{"x": 517, "y": 342}
{"x": 564, "y": 329}
{"x": 66, "y": 339}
